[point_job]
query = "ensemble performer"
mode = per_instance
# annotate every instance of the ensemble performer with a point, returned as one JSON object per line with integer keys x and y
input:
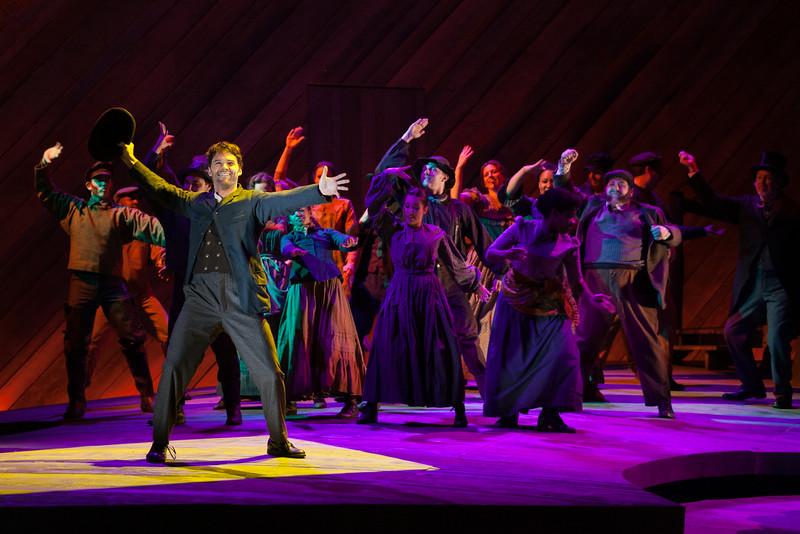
{"x": 414, "y": 358}
{"x": 318, "y": 345}
{"x": 451, "y": 215}
{"x": 533, "y": 359}
{"x": 225, "y": 285}
{"x": 97, "y": 231}
{"x": 625, "y": 252}
{"x": 766, "y": 287}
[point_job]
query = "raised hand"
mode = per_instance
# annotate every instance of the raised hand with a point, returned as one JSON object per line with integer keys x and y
{"x": 295, "y": 137}
{"x": 52, "y": 153}
{"x": 165, "y": 140}
{"x": 416, "y": 130}
{"x": 688, "y": 161}
{"x": 332, "y": 185}
{"x": 127, "y": 156}
{"x": 466, "y": 153}
{"x": 566, "y": 160}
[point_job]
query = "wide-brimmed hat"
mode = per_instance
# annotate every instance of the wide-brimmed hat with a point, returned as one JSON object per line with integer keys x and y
{"x": 440, "y": 162}
{"x": 773, "y": 162}
{"x": 114, "y": 126}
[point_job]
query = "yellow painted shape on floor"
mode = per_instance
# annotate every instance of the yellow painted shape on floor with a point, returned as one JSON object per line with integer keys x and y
{"x": 198, "y": 460}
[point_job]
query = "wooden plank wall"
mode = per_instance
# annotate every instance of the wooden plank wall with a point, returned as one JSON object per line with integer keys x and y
{"x": 517, "y": 80}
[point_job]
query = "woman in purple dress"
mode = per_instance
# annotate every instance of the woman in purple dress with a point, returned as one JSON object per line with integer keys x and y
{"x": 533, "y": 360}
{"x": 414, "y": 358}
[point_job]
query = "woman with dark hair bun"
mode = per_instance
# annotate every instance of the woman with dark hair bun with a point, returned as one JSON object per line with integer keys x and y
{"x": 533, "y": 359}
{"x": 414, "y": 358}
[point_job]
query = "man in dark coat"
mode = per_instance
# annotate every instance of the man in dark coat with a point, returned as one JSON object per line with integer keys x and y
{"x": 625, "y": 254}
{"x": 766, "y": 286}
{"x": 225, "y": 285}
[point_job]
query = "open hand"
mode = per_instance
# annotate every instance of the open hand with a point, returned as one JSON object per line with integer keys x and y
{"x": 165, "y": 140}
{"x": 295, "y": 137}
{"x": 332, "y": 185}
{"x": 466, "y": 153}
{"x": 416, "y": 130}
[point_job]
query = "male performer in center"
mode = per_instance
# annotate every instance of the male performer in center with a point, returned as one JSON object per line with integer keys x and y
{"x": 225, "y": 284}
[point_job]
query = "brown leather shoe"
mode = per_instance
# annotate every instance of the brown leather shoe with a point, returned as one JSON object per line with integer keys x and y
{"x": 285, "y": 450}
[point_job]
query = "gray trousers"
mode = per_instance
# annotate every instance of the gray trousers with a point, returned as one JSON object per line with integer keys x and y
{"x": 767, "y": 301}
{"x": 212, "y": 306}
{"x": 636, "y": 306}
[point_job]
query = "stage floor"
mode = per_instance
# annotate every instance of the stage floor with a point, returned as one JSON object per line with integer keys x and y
{"x": 411, "y": 470}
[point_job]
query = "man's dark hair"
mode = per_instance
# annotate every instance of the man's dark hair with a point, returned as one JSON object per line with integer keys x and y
{"x": 222, "y": 147}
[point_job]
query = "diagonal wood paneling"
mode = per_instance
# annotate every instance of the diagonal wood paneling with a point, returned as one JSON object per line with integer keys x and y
{"x": 516, "y": 80}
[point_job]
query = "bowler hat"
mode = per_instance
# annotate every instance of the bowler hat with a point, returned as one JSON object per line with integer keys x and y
{"x": 440, "y": 162}
{"x": 621, "y": 175}
{"x": 772, "y": 162}
{"x": 114, "y": 126}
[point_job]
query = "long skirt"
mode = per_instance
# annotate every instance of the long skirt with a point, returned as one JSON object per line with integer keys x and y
{"x": 414, "y": 357}
{"x": 533, "y": 361}
{"x": 317, "y": 342}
